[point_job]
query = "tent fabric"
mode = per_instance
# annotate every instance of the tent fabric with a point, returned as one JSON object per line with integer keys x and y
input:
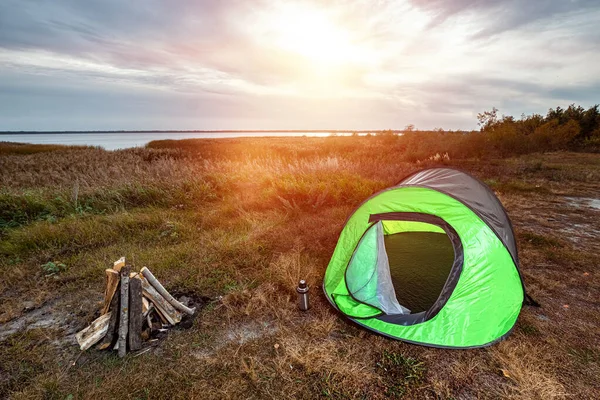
{"x": 368, "y": 273}
{"x": 473, "y": 193}
{"x": 480, "y": 298}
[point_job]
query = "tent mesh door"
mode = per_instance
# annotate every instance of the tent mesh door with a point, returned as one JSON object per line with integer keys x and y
{"x": 420, "y": 263}
{"x": 368, "y": 277}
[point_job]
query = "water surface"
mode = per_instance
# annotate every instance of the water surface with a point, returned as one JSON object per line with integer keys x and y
{"x": 122, "y": 140}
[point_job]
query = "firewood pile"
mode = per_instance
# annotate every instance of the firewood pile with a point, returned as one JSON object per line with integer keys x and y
{"x": 135, "y": 306}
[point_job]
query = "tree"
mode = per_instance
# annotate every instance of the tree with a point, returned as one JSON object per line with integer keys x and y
{"x": 555, "y": 136}
{"x": 590, "y": 122}
{"x": 409, "y": 128}
{"x": 487, "y": 119}
{"x": 555, "y": 113}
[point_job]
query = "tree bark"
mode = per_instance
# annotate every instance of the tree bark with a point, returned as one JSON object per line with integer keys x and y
{"x": 113, "y": 323}
{"x": 163, "y": 307}
{"x": 93, "y": 333}
{"x": 112, "y": 281}
{"x": 136, "y": 315}
{"x": 160, "y": 289}
{"x": 124, "y": 320}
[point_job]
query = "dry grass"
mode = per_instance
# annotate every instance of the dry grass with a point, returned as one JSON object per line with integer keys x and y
{"x": 530, "y": 370}
{"x": 25, "y": 148}
{"x": 239, "y": 222}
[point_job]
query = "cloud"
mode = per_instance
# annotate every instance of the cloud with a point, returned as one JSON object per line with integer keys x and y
{"x": 503, "y": 15}
{"x": 218, "y": 64}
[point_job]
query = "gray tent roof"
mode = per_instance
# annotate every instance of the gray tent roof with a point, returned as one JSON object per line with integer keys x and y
{"x": 474, "y": 194}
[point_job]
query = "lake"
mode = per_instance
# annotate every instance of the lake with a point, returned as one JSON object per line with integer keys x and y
{"x": 122, "y": 140}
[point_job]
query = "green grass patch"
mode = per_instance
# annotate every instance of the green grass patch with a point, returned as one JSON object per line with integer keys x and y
{"x": 30, "y": 206}
{"x": 400, "y": 373}
{"x": 71, "y": 235}
{"x": 173, "y": 244}
{"x": 53, "y": 267}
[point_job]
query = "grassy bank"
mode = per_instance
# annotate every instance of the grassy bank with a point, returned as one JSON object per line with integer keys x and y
{"x": 238, "y": 222}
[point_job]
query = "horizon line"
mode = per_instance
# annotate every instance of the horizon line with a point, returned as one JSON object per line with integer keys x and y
{"x": 226, "y": 131}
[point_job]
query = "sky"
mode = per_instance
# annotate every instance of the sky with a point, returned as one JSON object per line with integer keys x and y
{"x": 313, "y": 64}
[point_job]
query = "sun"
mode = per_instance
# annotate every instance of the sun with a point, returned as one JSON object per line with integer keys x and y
{"x": 313, "y": 34}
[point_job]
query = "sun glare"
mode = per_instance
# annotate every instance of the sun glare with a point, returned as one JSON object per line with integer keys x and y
{"x": 324, "y": 51}
{"x": 311, "y": 33}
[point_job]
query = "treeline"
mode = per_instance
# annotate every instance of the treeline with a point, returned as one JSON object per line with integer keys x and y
{"x": 570, "y": 128}
{"x": 573, "y": 128}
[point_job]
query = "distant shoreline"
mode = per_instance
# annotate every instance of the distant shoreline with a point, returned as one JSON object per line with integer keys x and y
{"x": 202, "y": 131}
{"x": 113, "y": 140}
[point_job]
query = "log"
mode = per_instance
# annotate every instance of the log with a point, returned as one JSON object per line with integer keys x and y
{"x": 162, "y": 306}
{"x": 124, "y": 317}
{"x": 136, "y": 316}
{"x": 161, "y": 317}
{"x": 157, "y": 285}
{"x": 146, "y": 306}
{"x": 156, "y": 322}
{"x": 93, "y": 333}
{"x": 120, "y": 263}
{"x": 113, "y": 324}
{"x": 149, "y": 321}
{"x": 112, "y": 281}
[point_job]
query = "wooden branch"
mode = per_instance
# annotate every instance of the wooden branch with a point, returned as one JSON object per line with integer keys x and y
{"x": 120, "y": 263}
{"x": 157, "y": 285}
{"x": 154, "y": 321}
{"x": 113, "y": 323}
{"x": 149, "y": 321}
{"x": 93, "y": 333}
{"x": 112, "y": 281}
{"x": 146, "y": 306}
{"x": 136, "y": 317}
{"x": 163, "y": 307}
{"x": 161, "y": 315}
{"x": 124, "y": 318}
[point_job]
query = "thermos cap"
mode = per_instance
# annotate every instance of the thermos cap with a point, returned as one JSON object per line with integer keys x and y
{"x": 302, "y": 287}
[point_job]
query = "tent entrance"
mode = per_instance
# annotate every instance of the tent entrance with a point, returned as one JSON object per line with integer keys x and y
{"x": 405, "y": 263}
{"x": 419, "y": 263}
{"x": 420, "y": 256}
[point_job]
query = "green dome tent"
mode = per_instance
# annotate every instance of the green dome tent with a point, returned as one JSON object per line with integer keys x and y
{"x": 431, "y": 261}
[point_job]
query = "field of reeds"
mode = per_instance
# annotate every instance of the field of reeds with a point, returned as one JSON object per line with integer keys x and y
{"x": 236, "y": 223}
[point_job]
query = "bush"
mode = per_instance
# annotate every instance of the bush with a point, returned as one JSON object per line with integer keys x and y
{"x": 553, "y": 136}
{"x": 561, "y": 129}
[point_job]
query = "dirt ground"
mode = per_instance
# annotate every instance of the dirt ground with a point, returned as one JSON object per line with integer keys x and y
{"x": 241, "y": 243}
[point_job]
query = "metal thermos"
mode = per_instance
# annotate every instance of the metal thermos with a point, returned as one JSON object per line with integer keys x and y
{"x": 302, "y": 290}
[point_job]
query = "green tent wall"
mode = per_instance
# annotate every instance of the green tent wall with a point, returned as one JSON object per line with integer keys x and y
{"x": 431, "y": 261}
